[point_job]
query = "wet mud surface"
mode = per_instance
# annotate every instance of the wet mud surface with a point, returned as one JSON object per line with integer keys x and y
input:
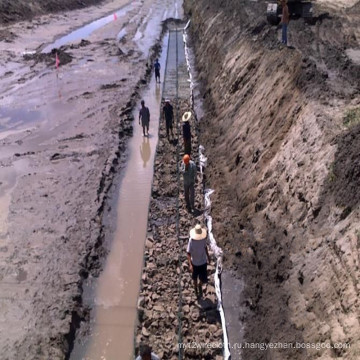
{"x": 283, "y": 166}
{"x": 63, "y": 136}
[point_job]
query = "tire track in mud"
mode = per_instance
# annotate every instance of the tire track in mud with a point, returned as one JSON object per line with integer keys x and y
{"x": 168, "y": 311}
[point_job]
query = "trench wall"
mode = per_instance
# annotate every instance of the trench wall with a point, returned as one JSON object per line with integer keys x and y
{"x": 270, "y": 127}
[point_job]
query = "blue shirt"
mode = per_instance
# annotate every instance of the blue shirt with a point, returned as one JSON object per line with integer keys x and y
{"x": 197, "y": 250}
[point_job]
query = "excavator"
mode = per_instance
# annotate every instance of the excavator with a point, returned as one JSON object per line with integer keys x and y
{"x": 297, "y": 9}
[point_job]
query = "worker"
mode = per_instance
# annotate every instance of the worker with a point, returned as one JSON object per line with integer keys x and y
{"x": 144, "y": 116}
{"x": 198, "y": 257}
{"x": 187, "y": 132}
{"x": 285, "y": 18}
{"x": 145, "y": 353}
{"x": 189, "y": 172}
{"x": 157, "y": 70}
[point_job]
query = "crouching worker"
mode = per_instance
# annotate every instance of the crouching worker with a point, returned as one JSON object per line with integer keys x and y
{"x": 146, "y": 354}
{"x": 198, "y": 257}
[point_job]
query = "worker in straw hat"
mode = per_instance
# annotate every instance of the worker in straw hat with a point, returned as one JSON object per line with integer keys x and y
{"x": 198, "y": 257}
{"x": 187, "y": 132}
{"x": 144, "y": 117}
{"x": 189, "y": 172}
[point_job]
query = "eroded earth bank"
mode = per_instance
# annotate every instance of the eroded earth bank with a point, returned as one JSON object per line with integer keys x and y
{"x": 281, "y": 129}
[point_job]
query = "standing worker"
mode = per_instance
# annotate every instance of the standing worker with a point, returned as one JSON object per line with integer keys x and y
{"x": 168, "y": 115}
{"x": 157, "y": 70}
{"x": 198, "y": 257}
{"x": 285, "y": 18}
{"x": 144, "y": 116}
{"x": 187, "y": 132}
{"x": 189, "y": 171}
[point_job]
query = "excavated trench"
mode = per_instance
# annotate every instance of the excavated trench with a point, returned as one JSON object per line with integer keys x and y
{"x": 170, "y": 318}
{"x": 282, "y": 159}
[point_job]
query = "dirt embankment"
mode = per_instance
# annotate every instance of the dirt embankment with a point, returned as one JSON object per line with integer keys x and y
{"x": 15, "y": 10}
{"x": 284, "y": 169}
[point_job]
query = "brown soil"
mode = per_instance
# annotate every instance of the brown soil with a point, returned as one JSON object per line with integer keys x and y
{"x": 283, "y": 166}
{"x": 284, "y": 170}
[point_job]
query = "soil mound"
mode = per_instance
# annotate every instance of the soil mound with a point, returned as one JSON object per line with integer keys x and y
{"x": 16, "y": 10}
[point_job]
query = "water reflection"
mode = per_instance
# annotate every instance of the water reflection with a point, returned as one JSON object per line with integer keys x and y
{"x": 157, "y": 92}
{"x": 145, "y": 150}
{"x": 85, "y": 31}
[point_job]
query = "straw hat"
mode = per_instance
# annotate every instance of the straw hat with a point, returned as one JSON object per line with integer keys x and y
{"x": 186, "y": 117}
{"x": 198, "y": 233}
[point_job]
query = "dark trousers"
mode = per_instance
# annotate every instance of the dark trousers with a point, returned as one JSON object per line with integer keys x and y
{"x": 284, "y": 34}
{"x": 187, "y": 146}
{"x": 190, "y": 195}
{"x": 146, "y": 126}
{"x": 169, "y": 127}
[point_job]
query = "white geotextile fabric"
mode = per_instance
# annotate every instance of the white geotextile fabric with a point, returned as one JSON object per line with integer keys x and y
{"x": 187, "y": 57}
{"x": 216, "y": 250}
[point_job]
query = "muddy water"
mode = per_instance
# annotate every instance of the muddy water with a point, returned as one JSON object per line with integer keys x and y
{"x": 87, "y": 30}
{"x": 116, "y": 291}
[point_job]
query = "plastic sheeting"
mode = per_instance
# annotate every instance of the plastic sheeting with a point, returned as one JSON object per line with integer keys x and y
{"x": 187, "y": 57}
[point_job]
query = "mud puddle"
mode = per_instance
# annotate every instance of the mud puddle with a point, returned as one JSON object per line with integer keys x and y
{"x": 12, "y": 118}
{"x": 88, "y": 29}
{"x": 113, "y": 296}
